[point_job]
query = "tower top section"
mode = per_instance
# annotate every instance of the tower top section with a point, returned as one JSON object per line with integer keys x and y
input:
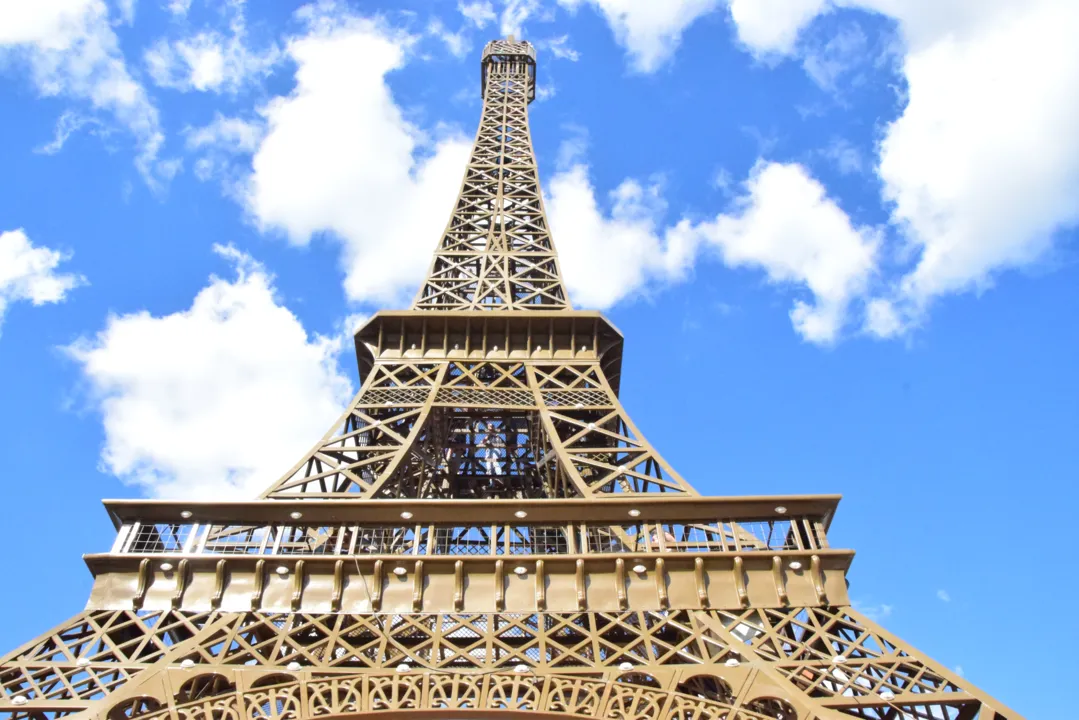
{"x": 496, "y": 253}
{"x": 521, "y": 55}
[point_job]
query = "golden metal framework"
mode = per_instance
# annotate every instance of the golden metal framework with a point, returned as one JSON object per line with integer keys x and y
{"x": 497, "y": 253}
{"x": 484, "y": 532}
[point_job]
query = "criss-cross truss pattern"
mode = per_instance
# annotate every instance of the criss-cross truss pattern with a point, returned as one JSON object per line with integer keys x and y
{"x": 482, "y": 429}
{"x": 793, "y": 663}
{"x": 497, "y": 253}
{"x": 483, "y": 532}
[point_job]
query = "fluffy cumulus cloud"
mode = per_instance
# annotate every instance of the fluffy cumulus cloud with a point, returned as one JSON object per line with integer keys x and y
{"x": 210, "y": 60}
{"x": 787, "y": 226}
{"x": 983, "y": 165}
{"x": 772, "y": 26}
{"x": 610, "y": 253}
{"x": 649, "y": 30}
{"x": 28, "y": 272}
{"x": 183, "y": 397}
{"x": 981, "y": 168}
{"x": 783, "y": 224}
{"x": 339, "y": 157}
{"x": 71, "y": 50}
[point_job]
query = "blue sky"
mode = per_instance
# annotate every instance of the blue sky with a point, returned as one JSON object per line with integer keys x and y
{"x": 839, "y": 237}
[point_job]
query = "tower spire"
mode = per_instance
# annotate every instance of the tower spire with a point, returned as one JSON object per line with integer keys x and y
{"x": 496, "y": 252}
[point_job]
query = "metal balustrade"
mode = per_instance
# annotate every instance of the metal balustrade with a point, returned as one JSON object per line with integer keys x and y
{"x": 751, "y": 535}
{"x": 159, "y": 538}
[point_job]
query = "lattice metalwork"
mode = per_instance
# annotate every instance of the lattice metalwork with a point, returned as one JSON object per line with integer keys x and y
{"x": 483, "y": 429}
{"x": 460, "y": 695}
{"x": 92, "y": 656}
{"x": 370, "y": 440}
{"x": 818, "y": 662}
{"x": 536, "y": 540}
{"x": 160, "y": 538}
{"x": 797, "y": 533}
{"x": 540, "y": 556}
{"x": 497, "y": 252}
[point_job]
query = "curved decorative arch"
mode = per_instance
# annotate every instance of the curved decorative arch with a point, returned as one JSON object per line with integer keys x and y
{"x": 707, "y": 687}
{"x": 133, "y": 708}
{"x": 203, "y": 687}
{"x": 469, "y": 695}
{"x": 638, "y": 678}
{"x": 273, "y": 679}
{"x": 773, "y": 708}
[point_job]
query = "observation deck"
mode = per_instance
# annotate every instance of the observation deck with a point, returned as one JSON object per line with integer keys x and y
{"x": 506, "y": 556}
{"x": 509, "y": 56}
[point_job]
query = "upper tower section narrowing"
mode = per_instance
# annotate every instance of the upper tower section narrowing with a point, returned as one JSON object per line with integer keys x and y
{"x": 496, "y": 252}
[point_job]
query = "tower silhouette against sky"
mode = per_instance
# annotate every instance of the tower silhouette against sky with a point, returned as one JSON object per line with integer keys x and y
{"x": 484, "y": 532}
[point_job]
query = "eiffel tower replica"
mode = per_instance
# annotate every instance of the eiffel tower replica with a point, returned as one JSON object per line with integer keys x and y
{"x": 483, "y": 533}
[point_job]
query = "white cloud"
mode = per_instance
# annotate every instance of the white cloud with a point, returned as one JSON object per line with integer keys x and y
{"x": 205, "y": 168}
{"x": 339, "y": 157}
{"x": 573, "y": 149}
{"x": 723, "y": 181}
{"x": 783, "y": 224}
{"x": 71, "y": 50}
{"x": 195, "y": 63}
{"x": 649, "y": 30}
{"x": 218, "y": 143}
{"x": 981, "y": 169}
{"x": 545, "y": 91}
{"x": 876, "y": 612}
{"x": 127, "y": 10}
{"x": 183, "y": 397}
{"x": 350, "y": 325}
{"x": 608, "y": 256}
{"x": 515, "y": 14}
{"x": 230, "y": 134}
{"x": 456, "y": 42}
{"x": 943, "y": 596}
{"x": 480, "y": 12}
{"x": 68, "y": 124}
{"x": 830, "y": 62}
{"x": 178, "y": 8}
{"x": 983, "y": 165}
{"x": 28, "y": 272}
{"x": 559, "y": 47}
{"x": 882, "y": 319}
{"x": 209, "y": 60}
{"x": 511, "y": 16}
{"x": 787, "y": 226}
{"x": 846, "y": 157}
{"x": 772, "y": 26}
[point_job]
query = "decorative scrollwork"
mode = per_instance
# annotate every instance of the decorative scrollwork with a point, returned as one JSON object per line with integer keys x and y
{"x": 273, "y": 703}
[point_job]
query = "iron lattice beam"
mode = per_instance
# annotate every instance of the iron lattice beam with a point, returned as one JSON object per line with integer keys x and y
{"x": 496, "y": 252}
